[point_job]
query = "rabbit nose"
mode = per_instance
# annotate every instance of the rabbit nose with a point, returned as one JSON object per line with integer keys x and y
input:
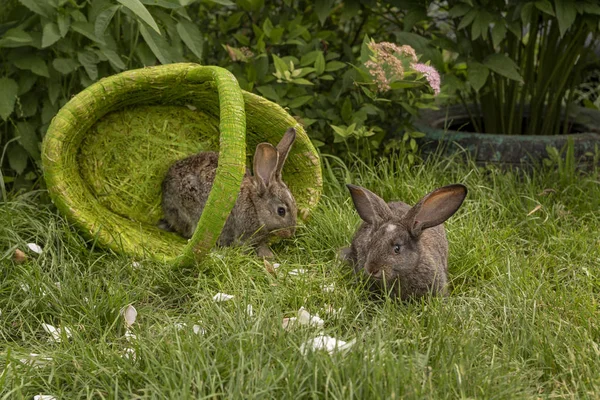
{"x": 374, "y": 270}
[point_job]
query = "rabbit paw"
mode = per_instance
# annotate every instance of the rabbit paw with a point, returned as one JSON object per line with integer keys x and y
{"x": 264, "y": 252}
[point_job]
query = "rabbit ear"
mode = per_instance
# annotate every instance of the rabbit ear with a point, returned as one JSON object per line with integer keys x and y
{"x": 283, "y": 148}
{"x": 265, "y": 163}
{"x": 435, "y": 208}
{"x": 369, "y": 206}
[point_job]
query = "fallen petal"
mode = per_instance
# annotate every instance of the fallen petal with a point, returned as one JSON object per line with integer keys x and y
{"x": 198, "y": 330}
{"x": 24, "y": 287}
{"x": 249, "y": 310}
{"x": 328, "y": 288}
{"x": 35, "y": 360}
{"x": 56, "y": 333}
{"x": 136, "y": 264}
{"x": 276, "y": 265}
{"x": 297, "y": 272}
{"x": 35, "y": 248}
{"x": 180, "y": 325}
{"x": 327, "y": 343}
{"x": 289, "y": 323}
{"x": 222, "y": 297}
{"x": 130, "y": 336}
{"x": 330, "y": 310}
{"x": 129, "y": 354}
{"x": 43, "y": 397}
{"x": 305, "y": 318}
{"x": 130, "y": 315}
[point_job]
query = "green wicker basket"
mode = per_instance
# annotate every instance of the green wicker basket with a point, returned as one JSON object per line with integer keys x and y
{"x": 108, "y": 149}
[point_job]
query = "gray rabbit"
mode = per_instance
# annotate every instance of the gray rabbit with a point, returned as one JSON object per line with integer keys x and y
{"x": 404, "y": 248}
{"x": 265, "y": 205}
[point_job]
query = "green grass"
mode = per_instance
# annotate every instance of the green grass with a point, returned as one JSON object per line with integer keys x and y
{"x": 521, "y": 320}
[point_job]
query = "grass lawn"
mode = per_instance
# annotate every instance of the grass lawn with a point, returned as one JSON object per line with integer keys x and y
{"x": 521, "y": 320}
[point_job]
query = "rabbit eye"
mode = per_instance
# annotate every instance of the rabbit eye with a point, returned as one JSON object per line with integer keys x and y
{"x": 397, "y": 248}
{"x": 281, "y": 211}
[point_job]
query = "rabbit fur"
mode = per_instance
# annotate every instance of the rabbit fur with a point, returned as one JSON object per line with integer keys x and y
{"x": 265, "y": 205}
{"x": 404, "y": 249}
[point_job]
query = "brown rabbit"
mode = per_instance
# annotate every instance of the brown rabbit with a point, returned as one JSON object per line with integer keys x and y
{"x": 401, "y": 248}
{"x": 264, "y": 206}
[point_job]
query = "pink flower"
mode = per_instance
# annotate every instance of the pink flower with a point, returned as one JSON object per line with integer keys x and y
{"x": 385, "y": 56}
{"x": 431, "y": 74}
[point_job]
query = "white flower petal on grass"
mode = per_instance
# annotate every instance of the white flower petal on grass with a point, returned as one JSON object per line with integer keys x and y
{"x": 130, "y": 336}
{"x": 327, "y": 343}
{"x": 222, "y": 297}
{"x": 289, "y": 323}
{"x": 330, "y": 310}
{"x": 136, "y": 264}
{"x": 180, "y": 325}
{"x": 305, "y": 318}
{"x": 58, "y": 285}
{"x": 56, "y": 333}
{"x": 198, "y": 330}
{"x": 130, "y": 315}
{"x": 129, "y": 353}
{"x": 298, "y": 271}
{"x": 35, "y": 360}
{"x": 249, "y": 310}
{"x": 328, "y": 288}
{"x": 44, "y": 397}
{"x": 35, "y": 248}
{"x": 276, "y": 265}
{"x": 24, "y": 287}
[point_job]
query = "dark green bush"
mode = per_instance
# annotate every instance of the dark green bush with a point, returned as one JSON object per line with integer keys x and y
{"x": 299, "y": 54}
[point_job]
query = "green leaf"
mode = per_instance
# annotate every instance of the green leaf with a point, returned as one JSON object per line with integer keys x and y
{"x": 34, "y": 64}
{"x": 86, "y": 29}
{"x": 28, "y": 139}
{"x": 267, "y": 27}
{"x": 17, "y": 158}
{"x": 41, "y": 7}
{"x": 498, "y": 33}
{"x": 544, "y": 6}
{"x": 17, "y": 35}
{"x": 334, "y": 66}
{"x": 65, "y": 65}
{"x": 323, "y": 8}
{"x": 468, "y": 19}
{"x": 309, "y": 58}
{"x": 113, "y": 58}
{"x": 280, "y": 65}
{"x": 26, "y": 82}
{"x": 64, "y": 23}
{"x": 223, "y": 2}
{"x": 526, "y": 12}
{"x": 142, "y": 12}
{"x": 302, "y": 81}
{"x": 89, "y": 61}
{"x": 478, "y": 74}
{"x": 268, "y": 92}
{"x": 502, "y": 65}
{"x": 566, "y": 14}
{"x": 103, "y": 20}
{"x": 8, "y": 96}
{"x": 459, "y": 10}
{"x": 191, "y": 36}
{"x": 50, "y": 34}
{"x": 320, "y": 63}
{"x": 347, "y": 111}
{"x": 170, "y": 4}
{"x": 299, "y": 101}
{"x": 157, "y": 44}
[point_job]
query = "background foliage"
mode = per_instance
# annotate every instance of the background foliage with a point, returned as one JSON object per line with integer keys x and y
{"x": 296, "y": 53}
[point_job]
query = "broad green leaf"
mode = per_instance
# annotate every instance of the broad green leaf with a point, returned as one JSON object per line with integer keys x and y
{"x": 459, "y": 10}
{"x": 320, "y": 64}
{"x": 299, "y": 101}
{"x": 89, "y": 61}
{"x": 145, "y": 55}
{"x": 423, "y": 47}
{"x": 268, "y": 92}
{"x": 64, "y": 23}
{"x": 526, "y": 12}
{"x": 502, "y": 65}
{"x": 498, "y": 33}
{"x": 65, "y": 65}
{"x": 591, "y": 8}
{"x": 323, "y": 8}
{"x": 26, "y": 82}
{"x": 267, "y": 27}
{"x": 41, "y": 7}
{"x": 54, "y": 90}
{"x": 566, "y": 14}
{"x": 334, "y": 66}
{"x": 34, "y": 64}
{"x": 302, "y": 81}
{"x": 103, "y": 20}
{"x": 170, "y": 4}
{"x": 326, "y": 77}
{"x": 477, "y": 75}
{"x": 17, "y": 158}
{"x": 468, "y": 19}
{"x": 280, "y": 65}
{"x": 347, "y": 111}
{"x": 87, "y": 30}
{"x": 544, "y": 6}
{"x": 157, "y": 44}
{"x": 17, "y": 35}
{"x": 222, "y": 2}
{"x": 309, "y": 58}
{"x": 8, "y": 96}
{"x": 413, "y": 17}
{"x": 48, "y": 112}
{"x": 28, "y": 139}
{"x": 50, "y": 34}
{"x": 191, "y": 36}
{"x": 142, "y": 12}
{"x": 113, "y": 58}
{"x": 276, "y": 34}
